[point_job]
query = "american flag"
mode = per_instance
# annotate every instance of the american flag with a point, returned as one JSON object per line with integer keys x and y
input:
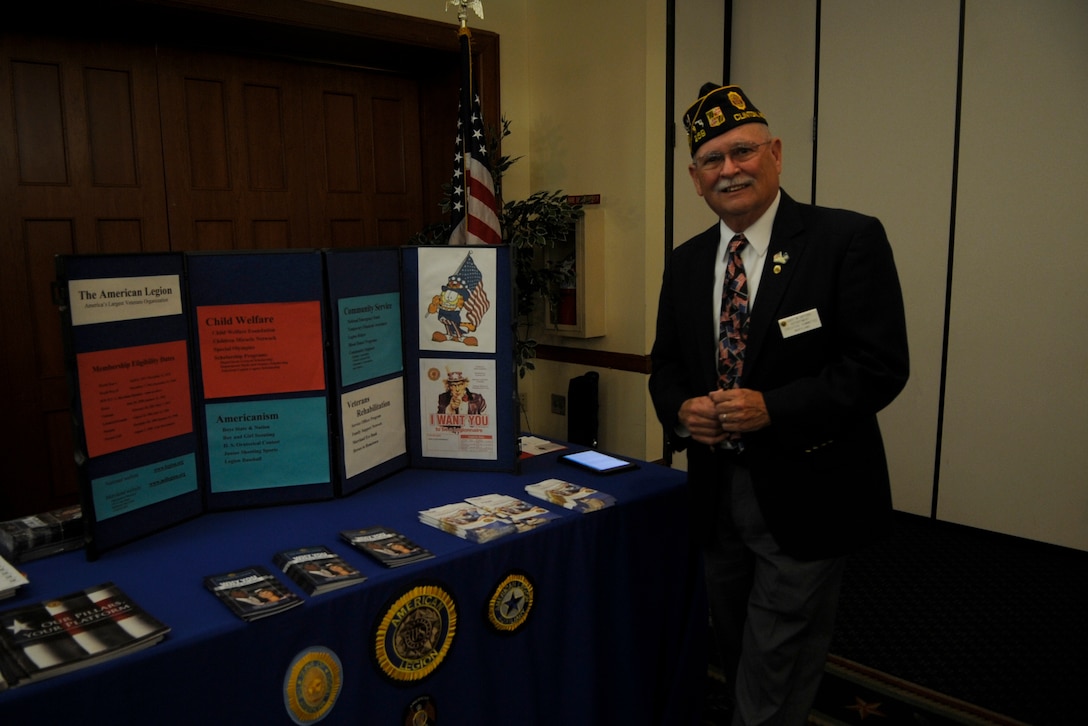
{"x": 474, "y": 209}
{"x": 476, "y": 304}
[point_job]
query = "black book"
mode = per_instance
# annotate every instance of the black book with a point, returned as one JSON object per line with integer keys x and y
{"x": 387, "y": 546}
{"x": 74, "y": 631}
{"x": 252, "y": 593}
{"x": 317, "y": 569}
{"x": 29, "y": 538}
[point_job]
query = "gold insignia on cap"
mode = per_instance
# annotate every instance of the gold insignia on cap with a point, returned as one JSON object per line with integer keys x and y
{"x": 737, "y": 100}
{"x": 715, "y": 117}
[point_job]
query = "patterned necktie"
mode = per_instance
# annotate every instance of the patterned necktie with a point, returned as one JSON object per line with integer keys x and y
{"x": 733, "y": 328}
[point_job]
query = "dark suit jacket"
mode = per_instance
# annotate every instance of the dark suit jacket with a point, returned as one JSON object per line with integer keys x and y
{"x": 476, "y": 402}
{"x": 819, "y": 469}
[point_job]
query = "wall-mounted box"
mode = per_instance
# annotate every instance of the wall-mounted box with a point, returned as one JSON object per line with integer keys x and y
{"x": 581, "y": 309}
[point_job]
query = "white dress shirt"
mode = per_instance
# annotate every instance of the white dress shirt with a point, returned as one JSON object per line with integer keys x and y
{"x": 753, "y": 255}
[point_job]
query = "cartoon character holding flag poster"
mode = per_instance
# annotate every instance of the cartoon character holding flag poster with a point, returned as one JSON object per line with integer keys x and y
{"x": 453, "y": 288}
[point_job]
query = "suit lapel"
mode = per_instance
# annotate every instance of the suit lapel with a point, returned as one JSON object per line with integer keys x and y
{"x": 783, "y": 259}
{"x": 703, "y": 280}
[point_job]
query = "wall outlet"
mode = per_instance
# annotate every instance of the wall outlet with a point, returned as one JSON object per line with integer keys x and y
{"x": 559, "y": 404}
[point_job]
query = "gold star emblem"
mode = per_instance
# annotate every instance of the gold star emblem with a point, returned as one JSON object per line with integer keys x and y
{"x": 866, "y": 709}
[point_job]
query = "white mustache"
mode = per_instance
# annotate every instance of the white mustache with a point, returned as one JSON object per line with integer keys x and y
{"x": 736, "y": 181}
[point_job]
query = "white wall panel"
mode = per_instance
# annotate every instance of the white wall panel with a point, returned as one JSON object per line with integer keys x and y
{"x": 886, "y": 132}
{"x": 1016, "y": 416}
{"x": 773, "y": 59}
{"x": 700, "y": 42}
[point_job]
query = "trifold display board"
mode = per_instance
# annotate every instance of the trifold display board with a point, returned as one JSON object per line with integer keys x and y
{"x": 129, "y": 352}
{"x": 210, "y": 381}
{"x": 259, "y": 332}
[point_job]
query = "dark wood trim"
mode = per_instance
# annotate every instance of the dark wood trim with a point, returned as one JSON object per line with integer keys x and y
{"x": 317, "y": 31}
{"x": 331, "y": 32}
{"x": 595, "y": 358}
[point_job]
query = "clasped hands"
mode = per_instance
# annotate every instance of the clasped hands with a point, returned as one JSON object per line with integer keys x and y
{"x": 711, "y": 418}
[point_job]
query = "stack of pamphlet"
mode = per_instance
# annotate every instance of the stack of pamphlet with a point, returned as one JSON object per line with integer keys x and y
{"x": 533, "y": 445}
{"x": 75, "y": 631}
{"x": 252, "y": 593}
{"x": 523, "y": 515}
{"x": 29, "y": 538}
{"x": 10, "y": 579}
{"x": 387, "y": 546}
{"x": 570, "y": 496}
{"x": 317, "y": 569}
{"x": 467, "y": 521}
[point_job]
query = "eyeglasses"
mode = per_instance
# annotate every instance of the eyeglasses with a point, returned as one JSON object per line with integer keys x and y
{"x": 739, "y": 154}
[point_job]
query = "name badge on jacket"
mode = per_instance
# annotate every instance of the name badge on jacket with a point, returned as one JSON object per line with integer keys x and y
{"x": 799, "y": 323}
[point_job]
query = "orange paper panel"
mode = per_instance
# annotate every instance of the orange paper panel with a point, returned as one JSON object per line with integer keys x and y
{"x": 260, "y": 349}
{"x": 133, "y": 396}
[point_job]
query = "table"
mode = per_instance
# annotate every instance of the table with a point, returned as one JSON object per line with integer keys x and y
{"x": 616, "y": 633}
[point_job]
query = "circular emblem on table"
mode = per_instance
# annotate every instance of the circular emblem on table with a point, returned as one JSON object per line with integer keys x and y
{"x": 421, "y": 712}
{"x": 509, "y": 606}
{"x": 312, "y": 685}
{"x": 415, "y": 633}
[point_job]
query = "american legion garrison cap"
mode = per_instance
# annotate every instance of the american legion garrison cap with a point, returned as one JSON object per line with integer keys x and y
{"x": 717, "y": 110}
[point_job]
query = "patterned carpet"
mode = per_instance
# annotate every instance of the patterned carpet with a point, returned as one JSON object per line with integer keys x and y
{"x": 943, "y": 624}
{"x": 851, "y": 693}
{"x": 990, "y": 619}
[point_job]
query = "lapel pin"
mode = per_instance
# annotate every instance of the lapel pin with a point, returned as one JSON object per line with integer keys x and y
{"x": 780, "y": 258}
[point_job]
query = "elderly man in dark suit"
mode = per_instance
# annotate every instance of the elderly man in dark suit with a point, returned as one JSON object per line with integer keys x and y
{"x": 775, "y": 401}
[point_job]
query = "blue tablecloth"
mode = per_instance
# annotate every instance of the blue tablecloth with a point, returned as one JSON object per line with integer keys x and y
{"x": 615, "y": 636}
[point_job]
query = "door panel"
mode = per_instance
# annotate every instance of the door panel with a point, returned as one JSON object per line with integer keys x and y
{"x": 76, "y": 176}
{"x": 233, "y": 130}
{"x": 363, "y": 139}
{"x": 136, "y": 148}
{"x": 229, "y": 124}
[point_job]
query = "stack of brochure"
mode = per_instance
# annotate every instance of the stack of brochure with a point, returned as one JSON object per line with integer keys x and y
{"x": 252, "y": 593}
{"x": 533, "y": 445}
{"x": 570, "y": 496}
{"x": 74, "y": 631}
{"x": 29, "y": 538}
{"x": 10, "y": 579}
{"x": 317, "y": 569}
{"x": 523, "y": 515}
{"x": 467, "y": 521}
{"x": 387, "y": 546}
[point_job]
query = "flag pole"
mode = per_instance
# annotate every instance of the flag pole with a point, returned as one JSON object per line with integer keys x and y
{"x": 474, "y": 207}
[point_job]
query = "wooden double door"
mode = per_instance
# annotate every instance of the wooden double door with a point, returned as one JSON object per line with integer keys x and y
{"x": 109, "y": 146}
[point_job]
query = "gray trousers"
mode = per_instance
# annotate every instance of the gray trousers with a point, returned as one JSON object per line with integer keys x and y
{"x": 773, "y": 615}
